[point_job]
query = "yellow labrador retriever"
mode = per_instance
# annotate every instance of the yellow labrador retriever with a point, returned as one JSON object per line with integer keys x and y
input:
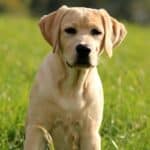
{"x": 67, "y": 96}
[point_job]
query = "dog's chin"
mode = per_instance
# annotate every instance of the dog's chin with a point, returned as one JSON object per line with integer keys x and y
{"x": 70, "y": 65}
{"x": 80, "y": 65}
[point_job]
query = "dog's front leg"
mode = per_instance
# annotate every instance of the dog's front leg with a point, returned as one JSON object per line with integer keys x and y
{"x": 90, "y": 141}
{"x": 34, "y": 139}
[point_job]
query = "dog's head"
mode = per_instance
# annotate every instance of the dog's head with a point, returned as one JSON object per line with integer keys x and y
{"x": 80, "y": 34}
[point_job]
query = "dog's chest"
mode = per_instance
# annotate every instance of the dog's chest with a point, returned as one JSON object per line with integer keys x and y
{"x": 66, "y": 133}
{"x": 72, "y": 102}
{"x": 67, "y": 124}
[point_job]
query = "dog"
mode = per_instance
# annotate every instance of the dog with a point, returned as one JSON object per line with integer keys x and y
{"x": 67, "y": 95}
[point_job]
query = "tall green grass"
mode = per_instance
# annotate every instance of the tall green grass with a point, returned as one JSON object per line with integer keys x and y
{"x": 126, "y": 79}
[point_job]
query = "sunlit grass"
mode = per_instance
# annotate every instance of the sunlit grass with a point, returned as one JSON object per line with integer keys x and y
{"x": 126, "y": 78}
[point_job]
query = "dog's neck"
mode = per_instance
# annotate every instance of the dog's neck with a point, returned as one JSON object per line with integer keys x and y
{"x": 76, "y": 78}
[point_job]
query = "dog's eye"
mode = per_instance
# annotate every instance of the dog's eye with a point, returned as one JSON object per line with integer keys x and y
{"x": 95, "y": 32}
{"x": 71, "y": 30}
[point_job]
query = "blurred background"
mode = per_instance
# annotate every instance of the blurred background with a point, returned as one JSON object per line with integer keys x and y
{"x": 132, "y": 10}
{"x": 125, "y": 77}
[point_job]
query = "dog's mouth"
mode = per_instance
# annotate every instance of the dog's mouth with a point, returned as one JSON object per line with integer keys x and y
{"x": 79, "y": 64}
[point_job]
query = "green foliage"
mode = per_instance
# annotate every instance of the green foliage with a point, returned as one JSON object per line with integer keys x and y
{"x": 21, "y": 51}
{"x": 125, "y": 78}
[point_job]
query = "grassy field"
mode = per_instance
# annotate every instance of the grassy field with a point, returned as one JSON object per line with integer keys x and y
{"x": 126, "y": 79}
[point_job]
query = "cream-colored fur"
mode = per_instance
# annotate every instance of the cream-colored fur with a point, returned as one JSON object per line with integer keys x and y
{"x": 66, "y": 98}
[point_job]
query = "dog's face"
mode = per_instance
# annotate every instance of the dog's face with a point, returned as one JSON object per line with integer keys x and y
{"x": 80, "y": 34}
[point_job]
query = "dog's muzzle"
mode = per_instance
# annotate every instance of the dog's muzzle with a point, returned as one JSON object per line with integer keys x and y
{"x": 82, "y": 58}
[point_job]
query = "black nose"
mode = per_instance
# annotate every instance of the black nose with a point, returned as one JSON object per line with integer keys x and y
{"x": 83, "y": 50}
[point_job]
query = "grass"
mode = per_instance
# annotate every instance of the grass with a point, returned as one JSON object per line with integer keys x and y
{"x": 126, "y": 79}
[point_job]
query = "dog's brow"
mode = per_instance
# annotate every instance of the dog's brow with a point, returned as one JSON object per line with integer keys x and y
{"x": 81, "y": 24}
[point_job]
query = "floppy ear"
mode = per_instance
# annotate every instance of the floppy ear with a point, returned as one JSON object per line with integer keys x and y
{"x": 50, "y": 26}
{"x": 115, "y": 32}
